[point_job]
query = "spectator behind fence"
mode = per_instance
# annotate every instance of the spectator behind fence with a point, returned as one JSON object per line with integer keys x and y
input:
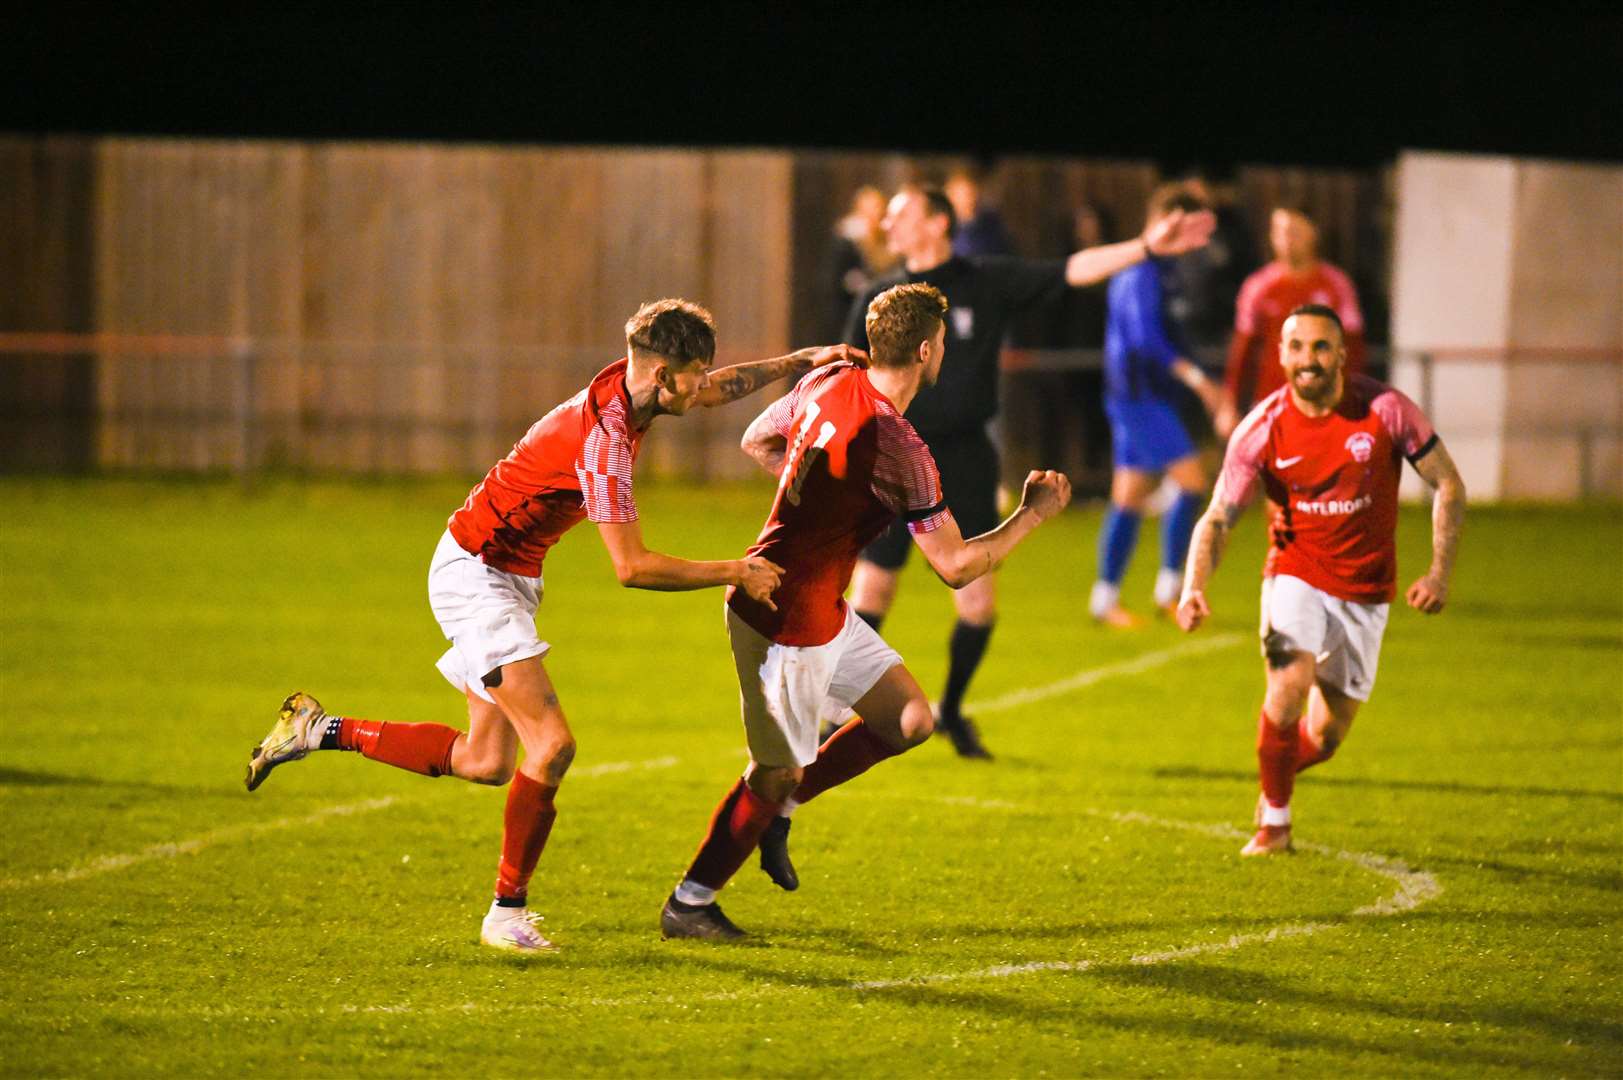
{"x": 980, "y": 227}
{"x": 1296, "y": 276}
{"x": 860, "y": 254}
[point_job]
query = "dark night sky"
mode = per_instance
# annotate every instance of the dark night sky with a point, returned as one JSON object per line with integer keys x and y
{"x": 1181, "y": 83}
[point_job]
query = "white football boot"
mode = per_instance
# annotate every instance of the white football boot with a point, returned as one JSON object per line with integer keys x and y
{"x": 515, "y": 933}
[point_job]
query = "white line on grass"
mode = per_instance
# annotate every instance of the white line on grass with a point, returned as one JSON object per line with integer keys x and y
{"x": 1414, "y": 887}
{"x": 1084, "y": 679}
{"x": 171, "y": 849}
{"x": 107, "y": 863}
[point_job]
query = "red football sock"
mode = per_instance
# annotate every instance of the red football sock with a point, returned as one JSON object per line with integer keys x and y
{"x": 735, "y": 830}
{"x": 526, "y": 824}
{"x": 849, "y": 752}
{"x": 1308, "y": 752}
{"x": 1276, "y": 761}
{"x": 418, "y": 748}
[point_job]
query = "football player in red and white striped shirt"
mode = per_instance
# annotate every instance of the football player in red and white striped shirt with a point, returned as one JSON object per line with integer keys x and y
{"x": 485, "y": 586}
{"x": 1327, "y": 448}
{"x": 847, "y": 464}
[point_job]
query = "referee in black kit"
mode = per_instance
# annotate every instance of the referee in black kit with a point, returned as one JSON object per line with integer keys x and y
{"x": 983, "y": 293}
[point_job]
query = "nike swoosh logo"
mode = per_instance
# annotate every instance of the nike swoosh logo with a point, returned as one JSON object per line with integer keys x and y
{"x": 1287, "y": 462}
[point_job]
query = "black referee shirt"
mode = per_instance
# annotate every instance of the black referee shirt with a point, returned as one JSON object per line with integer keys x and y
{"x": 983, "y": 294}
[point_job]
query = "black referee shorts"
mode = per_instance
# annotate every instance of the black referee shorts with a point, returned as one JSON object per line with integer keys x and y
{"x": 969, "y": 477}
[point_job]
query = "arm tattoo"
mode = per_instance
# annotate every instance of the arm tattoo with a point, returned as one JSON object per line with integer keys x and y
{"x": 742, "y": 380}
{"x": 1210, "y": 539}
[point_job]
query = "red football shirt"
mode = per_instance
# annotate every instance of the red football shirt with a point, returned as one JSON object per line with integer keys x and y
{"x": 1266, "y": 300}
{"x": 573, "y": 463}
{"x": 1333, "y": 483}
{"x": 853, "y": 463}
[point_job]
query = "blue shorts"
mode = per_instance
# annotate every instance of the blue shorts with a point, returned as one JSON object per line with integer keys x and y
{"x": 1146, "y": 434}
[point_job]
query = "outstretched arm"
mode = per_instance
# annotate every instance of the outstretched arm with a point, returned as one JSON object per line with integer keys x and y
{"x": 740, "y": 380}
{"x": 639, "y": 568}
{"x": 1173, "y": 234}
{"x": 958, "y": 561}
{"x": 1430, "y": 592}
{"x": 1206, "y": 548}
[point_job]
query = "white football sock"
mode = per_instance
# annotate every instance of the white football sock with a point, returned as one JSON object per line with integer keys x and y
{"x": 1168, "y": 584}
{"x": 1104, "y": 597}
{"x": 1275, "y": 815}
{"x": 691, "y": 892}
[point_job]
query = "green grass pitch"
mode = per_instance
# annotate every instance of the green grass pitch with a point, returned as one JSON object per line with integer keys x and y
{"x": 1075, "y": 908}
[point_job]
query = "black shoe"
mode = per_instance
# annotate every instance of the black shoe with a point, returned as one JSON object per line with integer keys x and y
{"x": 775, "y": 855}
{"x": 966, "y": 739}
{"x": 679, "y": 920}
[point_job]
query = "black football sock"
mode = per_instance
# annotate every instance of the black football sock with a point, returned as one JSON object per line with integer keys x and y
{"x": 871, "y": 619}
{"x": 964, "y": 651}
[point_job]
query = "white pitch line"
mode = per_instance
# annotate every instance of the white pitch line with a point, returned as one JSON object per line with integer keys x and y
{"x": 1414, "y": 887}
{"x": 1090, "y": 676}
{"x": 173, "y": 849}
{"x": 108, "y": 863}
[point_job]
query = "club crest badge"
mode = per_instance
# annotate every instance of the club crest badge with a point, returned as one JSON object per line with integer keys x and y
{"x": 1362, "y": 445}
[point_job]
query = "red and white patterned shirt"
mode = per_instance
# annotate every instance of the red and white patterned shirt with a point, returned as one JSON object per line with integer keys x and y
{"x": 1333, "y": 483}
{"x": 1266, "y": 300}
{"x": 573, "y": 463}
{"x": 852, "y": 464}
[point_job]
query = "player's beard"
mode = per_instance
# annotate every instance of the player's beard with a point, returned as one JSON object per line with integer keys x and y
{"x": 1319, "y": 390}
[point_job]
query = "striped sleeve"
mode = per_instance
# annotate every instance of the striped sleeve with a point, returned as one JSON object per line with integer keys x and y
{"x": 1247, "y": 450}
{"x": 604, "y": 468}
{"x": 1411, "y": 432}
{"x": 905, "y": 480}
{"x": 781, "y": 413}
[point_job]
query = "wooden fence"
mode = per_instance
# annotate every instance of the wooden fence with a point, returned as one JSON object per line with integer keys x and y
{"x": 202, "y": 305}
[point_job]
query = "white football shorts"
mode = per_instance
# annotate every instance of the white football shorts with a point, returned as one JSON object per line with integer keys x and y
{"x": 487, "y": 615}
{"x": 1344, "y": 636}
{"x": 783, "y": 690}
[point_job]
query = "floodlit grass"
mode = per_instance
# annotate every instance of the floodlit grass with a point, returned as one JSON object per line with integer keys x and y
{"x": 1077, "y": 907}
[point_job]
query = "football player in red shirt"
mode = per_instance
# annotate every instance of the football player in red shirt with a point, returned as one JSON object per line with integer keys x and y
{"x": 485, "y": 586}
{"x": 1296, "y": 276}
{"x": 1327, "y": 448}
{"x": 847, "y": 464}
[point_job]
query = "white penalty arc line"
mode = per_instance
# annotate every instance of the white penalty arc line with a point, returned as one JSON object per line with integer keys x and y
{"x": 106, "y": 864}
{"x": 1413, "y": 888}
{"x": 1091, "y": 676}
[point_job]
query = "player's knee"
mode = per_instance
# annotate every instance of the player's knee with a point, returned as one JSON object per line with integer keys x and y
{"x": 917, "y": 723}
{"x": 1278, "y": 651}
{"x": 773, "y": 783}
{"x": 554, "y": 757}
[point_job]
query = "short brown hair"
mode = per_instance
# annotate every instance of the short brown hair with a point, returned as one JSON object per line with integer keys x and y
{"x": 1177, "y": 195}
{"x": 678, "y": 330}
{"x": 900, "y": 319}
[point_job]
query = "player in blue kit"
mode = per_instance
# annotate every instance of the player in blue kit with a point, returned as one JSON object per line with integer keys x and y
{"x": 1144, "y": 363}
